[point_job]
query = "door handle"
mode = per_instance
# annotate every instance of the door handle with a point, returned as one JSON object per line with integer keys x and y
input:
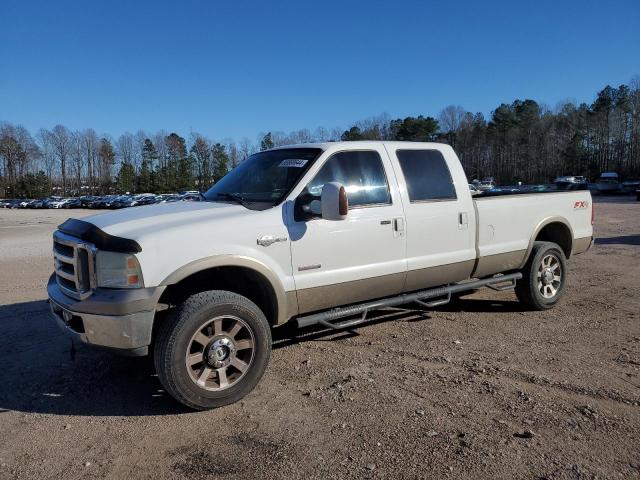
{"x": 385, "y": 222}
{"x": 398, "y": 226}
{"x": 463, "y": 220}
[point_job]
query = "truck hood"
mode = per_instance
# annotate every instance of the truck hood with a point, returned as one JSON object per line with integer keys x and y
{"x": 137, "y": 222}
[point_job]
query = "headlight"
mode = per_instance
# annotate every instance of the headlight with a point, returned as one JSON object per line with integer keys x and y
{"x": 118, "y": 270}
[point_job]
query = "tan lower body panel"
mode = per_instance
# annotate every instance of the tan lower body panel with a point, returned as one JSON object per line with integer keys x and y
{"x": 581, "y": 245}
{"x": 292, "y": 305}
{"x": 440, "y": 275}
{"x": 319, "y": 298}
{"x": 499, "y": 263}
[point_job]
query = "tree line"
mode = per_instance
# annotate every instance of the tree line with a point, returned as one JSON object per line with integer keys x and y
{"x": 522, "y": 141}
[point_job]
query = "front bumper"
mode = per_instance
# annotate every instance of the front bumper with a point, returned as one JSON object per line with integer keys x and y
{"x": 115, "y": 319}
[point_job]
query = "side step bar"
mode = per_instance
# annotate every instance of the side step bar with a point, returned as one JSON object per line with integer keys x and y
{"x": 498, "y": 283}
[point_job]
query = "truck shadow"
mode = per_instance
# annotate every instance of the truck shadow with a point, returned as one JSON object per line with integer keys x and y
{"x": 44, "y": 372}
{"x": 621, "y": 240}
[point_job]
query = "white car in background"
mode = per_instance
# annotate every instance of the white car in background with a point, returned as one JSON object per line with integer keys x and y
{"x": 59, "y": 203}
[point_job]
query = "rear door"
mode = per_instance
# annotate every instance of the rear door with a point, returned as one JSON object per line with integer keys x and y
{"x": 359, "y": 258}
{"x": 440, "y": 216}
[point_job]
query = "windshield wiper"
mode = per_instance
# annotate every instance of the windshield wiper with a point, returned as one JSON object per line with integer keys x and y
{"x": 235, "y": 197}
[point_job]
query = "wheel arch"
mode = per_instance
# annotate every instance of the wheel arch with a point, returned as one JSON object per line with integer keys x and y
{"x": 552, "y": 229}
{"x": 243, "y": 275}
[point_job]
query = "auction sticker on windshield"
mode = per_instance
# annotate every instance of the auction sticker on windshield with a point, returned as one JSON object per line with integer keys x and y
{"x": 293, "y": 163}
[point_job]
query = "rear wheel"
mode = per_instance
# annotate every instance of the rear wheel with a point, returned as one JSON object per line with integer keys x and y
{"x": 544, "y": 277}
{"x": 213, "y": 350}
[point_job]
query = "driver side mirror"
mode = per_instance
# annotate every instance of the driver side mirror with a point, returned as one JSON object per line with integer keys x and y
{"x": 334, "y": 203}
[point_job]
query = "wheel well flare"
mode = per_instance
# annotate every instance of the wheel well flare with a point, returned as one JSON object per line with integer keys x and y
{"x": 241, "y": 280}
{"x": 559, "y": 233}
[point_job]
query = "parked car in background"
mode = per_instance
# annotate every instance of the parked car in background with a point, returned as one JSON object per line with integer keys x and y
{"x": 123, "y": 201}
{"x": 148, "y": 199}
{"x": 72, "y": 203}
{"x": 474, "y": 190}
{"x": 118, "y": 201}
{"x": 570, "y": 179}
{"x": 502, "y": 190}
{"x": 608, "y": 182}
{"x": 48, "y": 201}
{"x": 630, "y": 185}
{"x": 58, "y": 203}
{"x": 87, "y": 200}
{"x": 486, "y": 184}
{"x": 38, "y": 203}
{"x": 9, "y": 203}
{"x": 570, "y": 182}
{"x": 191, "y": 197}
{"x": 104, "y": 201}
{"x": 169, "y": 197}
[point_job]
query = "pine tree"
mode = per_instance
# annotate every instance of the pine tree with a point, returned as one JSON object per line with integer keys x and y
{"x": 126, "y": 180}
{"x": 107, "y": 157}
{"x": 220, "y": 161}
{"x": 176, "y": 163}
{"x": 149, "y": 159}
{"x": 267, "y": 142}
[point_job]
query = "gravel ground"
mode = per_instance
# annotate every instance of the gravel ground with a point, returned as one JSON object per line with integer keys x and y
{"x": 476, "y": 389}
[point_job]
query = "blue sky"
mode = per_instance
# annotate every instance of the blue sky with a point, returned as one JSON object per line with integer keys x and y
{"x": 233, "y": 69}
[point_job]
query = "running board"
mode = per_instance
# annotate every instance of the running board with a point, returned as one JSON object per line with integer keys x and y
{"x": 498, "y": 283}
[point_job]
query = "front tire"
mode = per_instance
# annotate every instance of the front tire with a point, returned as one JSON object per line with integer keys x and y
{"x": 544, "y": 277}
{"x": 213, "y": 350}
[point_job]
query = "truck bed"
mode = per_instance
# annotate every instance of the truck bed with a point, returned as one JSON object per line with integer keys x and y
{"x": 507, "y": 223}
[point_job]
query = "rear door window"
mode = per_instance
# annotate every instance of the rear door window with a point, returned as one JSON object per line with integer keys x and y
{"x": 427, "y": 175}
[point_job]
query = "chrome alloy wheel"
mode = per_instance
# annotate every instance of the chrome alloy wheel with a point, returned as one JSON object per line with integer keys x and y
{"x": 549, "y": 276}
{"x": 220, "y": 353}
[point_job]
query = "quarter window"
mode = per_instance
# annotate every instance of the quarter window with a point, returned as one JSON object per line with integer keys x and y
{"x": 362, "y": 175}
{"x": 427, "y": 175}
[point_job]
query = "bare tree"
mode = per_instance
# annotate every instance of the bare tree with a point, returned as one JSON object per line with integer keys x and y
{"x": 90, "y": 141}
{"x": 246, "y": 148}
{"x": 450, "y": 119}
{"x": 62, "y": 145}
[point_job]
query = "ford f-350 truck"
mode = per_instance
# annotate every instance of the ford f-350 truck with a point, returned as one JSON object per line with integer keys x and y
{"x": 312, "y": 234}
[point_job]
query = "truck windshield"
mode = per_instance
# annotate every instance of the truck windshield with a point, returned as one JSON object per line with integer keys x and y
{"x": 264, "y": 178}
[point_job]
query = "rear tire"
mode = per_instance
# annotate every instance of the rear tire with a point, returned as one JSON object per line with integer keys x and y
{"x": 213, "y": 350}
{"x": 544, "y": 277}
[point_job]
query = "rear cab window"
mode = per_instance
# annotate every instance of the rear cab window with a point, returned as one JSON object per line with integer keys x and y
{"x": 426, "y": 175}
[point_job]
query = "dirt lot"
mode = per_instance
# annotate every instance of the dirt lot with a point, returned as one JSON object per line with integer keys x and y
{"x": 446, "y": 393}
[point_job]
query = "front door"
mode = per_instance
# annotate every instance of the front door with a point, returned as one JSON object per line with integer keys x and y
{"x": 359, "y": 258}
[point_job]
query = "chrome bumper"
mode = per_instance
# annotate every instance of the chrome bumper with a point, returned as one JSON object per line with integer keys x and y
{"x": 129, "y": 333}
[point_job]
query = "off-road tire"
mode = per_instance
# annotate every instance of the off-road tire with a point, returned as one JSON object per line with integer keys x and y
{"x": 528, "y": 288}
{"x": 175, "y": 338}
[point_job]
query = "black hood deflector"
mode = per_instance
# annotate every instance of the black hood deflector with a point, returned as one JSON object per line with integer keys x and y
{"x": 102, "y": 240}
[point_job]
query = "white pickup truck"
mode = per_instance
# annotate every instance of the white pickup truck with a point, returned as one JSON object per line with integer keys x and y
{"x": 313, "y": 234}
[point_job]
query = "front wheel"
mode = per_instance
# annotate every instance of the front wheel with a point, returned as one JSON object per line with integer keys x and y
{"x": 213, "y": 350}
{"x": 544, "y": 277}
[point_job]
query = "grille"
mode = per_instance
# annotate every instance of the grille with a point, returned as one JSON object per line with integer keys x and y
{"x": 74, "y": 265}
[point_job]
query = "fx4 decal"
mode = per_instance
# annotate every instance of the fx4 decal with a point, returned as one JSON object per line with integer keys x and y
{"x": 581, "y": 204}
